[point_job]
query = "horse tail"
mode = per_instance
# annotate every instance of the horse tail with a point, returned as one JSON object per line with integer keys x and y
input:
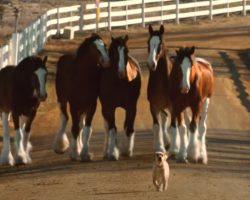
{"x": 63, "y": 77}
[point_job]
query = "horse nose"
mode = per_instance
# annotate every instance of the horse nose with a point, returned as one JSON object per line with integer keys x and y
{"x": 151, "y": 66}
{"x": 184, "y": 90}
{"x": 105, "y": 63}
{"x": 44, "y": 97}
{"x": 121, "y": 75}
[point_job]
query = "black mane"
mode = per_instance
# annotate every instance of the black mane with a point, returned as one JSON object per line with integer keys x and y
{"x": 83, "y": 48}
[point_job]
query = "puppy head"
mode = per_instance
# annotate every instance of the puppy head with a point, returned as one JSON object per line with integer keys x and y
{"x": 160, "y": 157}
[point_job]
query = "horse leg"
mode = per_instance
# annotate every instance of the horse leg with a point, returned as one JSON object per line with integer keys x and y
{"x": 61, "y": 142}
{"x": 202, "y": 132}
{"x": 86, "y": 134}
{"x": 112, "y": 151}
{"x": 182, "y": 155}
{"x": 27, "y": 121}
{"x": 193, "y": 146}
{"x": 21, "y": 156}
{"x": 75, "y": 145}
{"x": 129, "y": 129}
{"x": 166, "y": 136}
{"x": 175, "y": 138}
{"x": 6, "y": 155}
{"x": 157, "y": 130}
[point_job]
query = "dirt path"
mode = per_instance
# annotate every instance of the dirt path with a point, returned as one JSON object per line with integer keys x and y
{"x": 225, "y": 43}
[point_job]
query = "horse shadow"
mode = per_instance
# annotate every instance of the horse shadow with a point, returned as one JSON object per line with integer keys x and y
{"x": 236, "y": 76}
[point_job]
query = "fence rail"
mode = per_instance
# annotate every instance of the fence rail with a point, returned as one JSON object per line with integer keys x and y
{"x": 112, "y": 14}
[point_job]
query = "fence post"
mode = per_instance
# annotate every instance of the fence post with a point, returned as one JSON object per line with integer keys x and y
{"x": 161, "y": 11}
{"x": 195, "y": 9}
{"x": 211, "y": 9}
{"x": 143, "y": 14}
{"x": 14, "y": 49}
{"x": 109, "y": 16}
{"x": 177, "y": 20}
{"x": 126, "y": 17}
{"x": 58, "y": 23}
{"x": 227, "y": 8}
{"x": 244, "y": 12}
{"x": 81, "y": 18}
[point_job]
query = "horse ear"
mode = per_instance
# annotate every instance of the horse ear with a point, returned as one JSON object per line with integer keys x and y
{"x": 177, "y": 51}
{"x": 45, "y": 60}
{"x": 126, "y": 38}
{"x": 161, "y": 29}
{"x": 150, "y": 29}
{"x": 191, "y": 51}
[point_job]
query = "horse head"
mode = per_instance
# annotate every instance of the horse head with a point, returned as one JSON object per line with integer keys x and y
{"x": 40, "y": 78}
{"x": 118, "y": 53}
{"x": 94, "y": 50}
{"x": 156, "y": 47}
{"x": 183, "y": 65}
{"x": 31, "y": 76}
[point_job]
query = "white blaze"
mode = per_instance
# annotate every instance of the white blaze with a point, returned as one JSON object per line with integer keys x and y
{"x": 186, "y": 69}
{"x": 101, "y": 47}
{"x": 154, "y": 43}
{"x": 121, "y": 64}
{"x": 41, "y": 75}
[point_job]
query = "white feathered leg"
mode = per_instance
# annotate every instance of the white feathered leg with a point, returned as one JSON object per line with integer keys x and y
{"x": 182, "y": 155}
{"x": 193, "y": 146}
{"x": 61, "y": 142}
{"x": 86, "y": 135}
{"x": 158, "y": 138}
{"x": 175, "y": 141}
{"x": 202, "y": 132}
{"x": 21, "y": 156}
{"x": 113, "y": 151}
{"x": 128, "y": 145}
{"x": 6, "y": 155}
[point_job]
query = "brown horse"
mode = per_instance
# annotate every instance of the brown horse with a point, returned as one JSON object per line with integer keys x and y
{"x": 159, "y": 65}
{"x": 22, "y": 88}
{"x": 77, "y": 83}
{"x": 120, "y": 87}
{"x": 191, "y": 85}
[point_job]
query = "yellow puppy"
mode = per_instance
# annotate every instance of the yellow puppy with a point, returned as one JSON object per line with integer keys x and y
{"x": 160, "y": 171}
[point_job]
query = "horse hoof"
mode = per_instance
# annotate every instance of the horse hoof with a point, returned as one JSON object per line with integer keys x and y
{"x": 19, "y": 160}
{"x": 127, "y": 154}
{"x": 202, "y": 161}
{"x": 113, "y": 158}
{"x": 192, "y": 160}
{"x": 167, "y": 146}
{"x": 87, "y": 157}
{"x": 7, "y": 162}
{"x": 61, "y": 146}
{"x": 182, "y": 160}
{"x": 171, "y": 156}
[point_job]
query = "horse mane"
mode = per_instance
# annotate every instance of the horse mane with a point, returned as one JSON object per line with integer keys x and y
{"x": 23, "y": 72}
{"x": 29, "y": 64}
{"x": 83, "y": 48}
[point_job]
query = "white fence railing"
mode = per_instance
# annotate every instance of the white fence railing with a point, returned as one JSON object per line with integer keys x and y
{"x": 112, "y": 14}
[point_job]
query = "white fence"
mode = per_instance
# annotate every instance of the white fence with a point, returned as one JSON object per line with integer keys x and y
{"x": 112, "y": 14}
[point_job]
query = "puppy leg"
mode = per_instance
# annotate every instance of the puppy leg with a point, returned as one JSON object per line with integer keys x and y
{"x": 155, "y": 182}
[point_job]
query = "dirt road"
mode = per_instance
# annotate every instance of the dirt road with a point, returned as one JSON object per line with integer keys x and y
{"x": 225, "y": 42}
